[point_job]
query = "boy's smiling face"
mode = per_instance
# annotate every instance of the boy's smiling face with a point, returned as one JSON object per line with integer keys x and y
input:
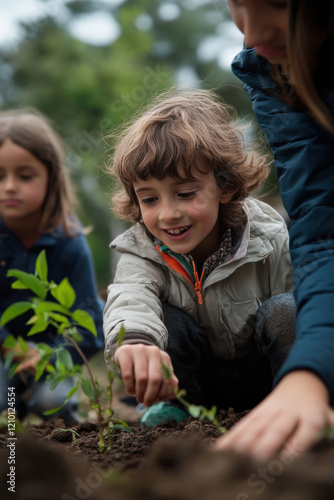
{"x": 183, "y": 213}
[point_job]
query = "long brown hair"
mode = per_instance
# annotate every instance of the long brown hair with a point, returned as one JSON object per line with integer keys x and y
{"x": 310, "y": 58}
{"x": 32, "y": 131}
{"x": 182, "y": 132}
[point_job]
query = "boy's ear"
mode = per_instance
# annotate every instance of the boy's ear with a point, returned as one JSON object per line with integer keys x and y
{"x": 226, "y": 197}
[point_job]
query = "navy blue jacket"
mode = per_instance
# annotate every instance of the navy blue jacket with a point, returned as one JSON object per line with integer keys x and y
{"x": 66, "y": 257}
{"x": 304, "y": 158}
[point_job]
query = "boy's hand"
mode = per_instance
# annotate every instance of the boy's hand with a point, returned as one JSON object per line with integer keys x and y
{"x": 289, "y": 420}
{"x": 141, "y": 368}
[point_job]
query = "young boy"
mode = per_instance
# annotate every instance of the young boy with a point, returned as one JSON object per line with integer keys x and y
{"x": 203, "y": 281}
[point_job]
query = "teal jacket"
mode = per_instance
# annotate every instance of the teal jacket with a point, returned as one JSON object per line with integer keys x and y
{"x": 304, "y": 158}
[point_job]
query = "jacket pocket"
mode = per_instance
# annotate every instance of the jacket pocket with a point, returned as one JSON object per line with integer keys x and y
{"x": 240, "y": 319}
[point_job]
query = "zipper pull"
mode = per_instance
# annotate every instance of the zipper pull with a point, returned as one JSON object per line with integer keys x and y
{"x": 198, "y": 284}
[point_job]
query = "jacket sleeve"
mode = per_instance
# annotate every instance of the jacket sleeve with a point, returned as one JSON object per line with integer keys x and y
{"x": 304, "y": 158}
{"x": 134, "y": 303}
{"x": 280, "y": 264}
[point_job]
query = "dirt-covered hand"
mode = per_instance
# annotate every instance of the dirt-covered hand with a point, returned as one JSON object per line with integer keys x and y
{"x": 288, "y": 421}
{"x": 141, "y": 369}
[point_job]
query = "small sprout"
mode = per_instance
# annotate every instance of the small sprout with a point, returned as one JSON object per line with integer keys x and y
{"x": 196, "y": 411}
{"x": 74, "y": 433}
{"x": 167, "y": 372}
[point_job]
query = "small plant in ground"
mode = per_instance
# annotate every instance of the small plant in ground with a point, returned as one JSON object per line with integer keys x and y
{"x": 74, "y": 433}
{"x": 58, "y": 314}
{"x": 196, "y": 411}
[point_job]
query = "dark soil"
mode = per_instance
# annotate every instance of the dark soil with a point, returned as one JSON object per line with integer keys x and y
{"x": 169, "y": 462}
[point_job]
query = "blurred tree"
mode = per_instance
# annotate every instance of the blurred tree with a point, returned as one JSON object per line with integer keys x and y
{"x": 89, "y": 90}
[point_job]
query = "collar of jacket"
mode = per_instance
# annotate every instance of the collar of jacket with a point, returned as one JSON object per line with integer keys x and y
{"x": 185, "y": 265}
{"x": 261, "y": 226}
{"x": 44, "y": 239}
{"x": 253, "y": 70}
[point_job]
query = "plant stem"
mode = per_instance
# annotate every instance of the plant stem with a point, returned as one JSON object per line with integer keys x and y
{"x": 97, "y": 400}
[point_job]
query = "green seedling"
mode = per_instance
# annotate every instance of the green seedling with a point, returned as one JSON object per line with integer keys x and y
{"x": 196, "y": 411}
{"x": 74, "y": 433}
{"x": 57, "y": 313}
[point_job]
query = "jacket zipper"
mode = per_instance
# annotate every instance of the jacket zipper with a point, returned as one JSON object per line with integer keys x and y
{"x": 174, "y": 264}
{"x": 198, "y": 283}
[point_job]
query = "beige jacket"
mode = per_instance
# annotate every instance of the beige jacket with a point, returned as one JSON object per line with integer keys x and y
{"x": 231, "y": 293}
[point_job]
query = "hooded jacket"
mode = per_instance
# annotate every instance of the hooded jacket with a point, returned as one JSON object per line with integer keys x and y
{"x": 304, "y": 157}
{"x": 229, "y": 296}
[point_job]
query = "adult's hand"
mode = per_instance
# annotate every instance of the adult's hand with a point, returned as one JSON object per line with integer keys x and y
{"x": 288, "y": 421}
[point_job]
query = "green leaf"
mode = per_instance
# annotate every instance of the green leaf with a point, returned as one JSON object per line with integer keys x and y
{"x": 87, "y": 388}
{"x": 39, "y": 326}
{"x": 64, "y": 361}
{"x": 18, "y": 285}
{"x": 166, "y": 371}
{"x": 120, "y": 427}
{"x": 49, "y": 306}
{"x": 120, "y": 336}
{"x": 211, "y": 415}
{"x": 98, "y": 388}
{"x": 42, "y": 266}
{"x": 12, "y": 370}
{"x": 32, "y": 320}
{"x": 195, "y": 411}
{"x": 84, "y": 319}
{"x": 30, "y": 281}
{"x": 54, "y": 410}
{"x": 10, "y": 341}
{"x": 40, "y": 367}
{"x": 44, "y": 349}
{"x": 60, "y": 318}
{"x": 71, "y": 392}
{"x": 23, "y": 344}
{"x": 9, "y": 358}
{"x": 64, "y": 293}
{"x": 118, "y": 422}
{"x": 14, "y": 310}
{"x": 77, "y": 336}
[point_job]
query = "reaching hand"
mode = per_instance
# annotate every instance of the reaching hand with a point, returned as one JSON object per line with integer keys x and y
{"x": 27, "y": 359}
{"x": 141, "y": 368}
{"x": 290, "y": 420}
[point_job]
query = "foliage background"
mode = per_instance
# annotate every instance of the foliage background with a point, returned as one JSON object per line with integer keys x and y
{"x": 88, "y": 90}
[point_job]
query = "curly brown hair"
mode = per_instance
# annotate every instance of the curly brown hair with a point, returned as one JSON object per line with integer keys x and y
{"x": 189, "y": 130}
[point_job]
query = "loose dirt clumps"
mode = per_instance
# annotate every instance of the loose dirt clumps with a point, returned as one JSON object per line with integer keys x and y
{"x": 168, "y": 462}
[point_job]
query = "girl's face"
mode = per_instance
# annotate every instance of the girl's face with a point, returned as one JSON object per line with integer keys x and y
{"x": 183, "y": 213}
{"x": 265, "y": 26}
{"x": 23, "y": 186}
